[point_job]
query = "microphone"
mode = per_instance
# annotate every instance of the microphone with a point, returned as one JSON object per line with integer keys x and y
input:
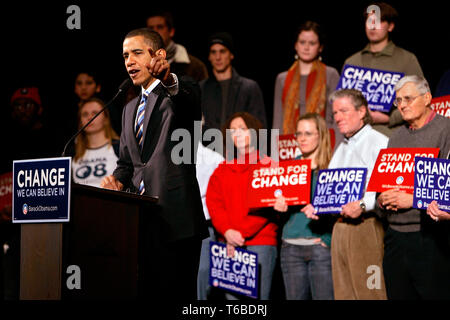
{"x": 126, "y": 84}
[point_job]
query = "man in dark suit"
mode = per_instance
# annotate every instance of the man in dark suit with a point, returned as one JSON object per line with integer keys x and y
{"x": 172, "y": 232}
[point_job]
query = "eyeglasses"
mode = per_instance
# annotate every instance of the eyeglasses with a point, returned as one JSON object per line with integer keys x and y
{"x": 306, "y": 134}
{"x": 406, "y": 99}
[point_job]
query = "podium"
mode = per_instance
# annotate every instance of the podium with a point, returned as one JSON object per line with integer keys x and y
{"x": 100, "y": 246}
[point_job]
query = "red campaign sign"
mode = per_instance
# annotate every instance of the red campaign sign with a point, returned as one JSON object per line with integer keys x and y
{"x": 291, "y": 179}
{"x": 394, "y": 168}
{"x": 441, "y": 105}
{"x": 5, "y": 190}
{"x": 287, "y": 147}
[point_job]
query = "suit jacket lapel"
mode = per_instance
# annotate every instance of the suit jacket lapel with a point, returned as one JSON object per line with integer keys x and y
{"x": 132, "y": 121}
{"x": 151, "y": 102}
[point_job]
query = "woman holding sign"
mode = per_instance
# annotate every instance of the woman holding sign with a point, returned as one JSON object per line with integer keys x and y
{"x": 305, "y": 250}
{"x": 226, "y": 199}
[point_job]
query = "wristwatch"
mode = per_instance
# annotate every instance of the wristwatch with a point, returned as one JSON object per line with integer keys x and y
{"x": 362, "y": 205}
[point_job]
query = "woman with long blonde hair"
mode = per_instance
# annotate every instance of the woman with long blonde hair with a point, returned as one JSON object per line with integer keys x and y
{"x": 96, "y": 148}
{"x": 305, "y": 251}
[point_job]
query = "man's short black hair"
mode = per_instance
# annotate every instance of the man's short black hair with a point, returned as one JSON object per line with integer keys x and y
{"x": 90, "y": 71}
{"x": 167, "y": 15}
{"x": 152, "y": 38}
{"x": 387, "y": 12}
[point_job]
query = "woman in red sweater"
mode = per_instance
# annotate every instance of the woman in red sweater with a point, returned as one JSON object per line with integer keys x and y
{"x": 226, "y": 199}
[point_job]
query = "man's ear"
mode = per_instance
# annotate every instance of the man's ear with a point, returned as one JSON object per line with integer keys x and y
{"x": 428, "y": 98}
{"x": 98, "y": 88}
{"x": 362, "y": 112}
{"x": 391, "y": 26}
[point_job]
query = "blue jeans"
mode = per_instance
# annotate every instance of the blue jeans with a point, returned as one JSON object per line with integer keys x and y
{"x": 306, "y": 272}
{"x": 203, "y": 287}
{"x": 267, "y": 258}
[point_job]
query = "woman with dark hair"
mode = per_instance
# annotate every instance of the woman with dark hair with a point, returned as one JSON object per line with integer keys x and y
{"x": 229, "y": 134}
{"x": 87, "y": 85}
{"x": 97, "y": 146}
{"x": 305, "y": 251}
{"x": 226, "y": 199}
{"x": 306, "y": 86}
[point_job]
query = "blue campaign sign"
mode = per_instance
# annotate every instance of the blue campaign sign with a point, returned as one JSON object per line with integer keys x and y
{"x": 336, "y": 187}
{"x": 238, "y": 274}
{"x": 431, "y": 182}
{"x": 376, "y": 85}
{"x": 41, "y": 190}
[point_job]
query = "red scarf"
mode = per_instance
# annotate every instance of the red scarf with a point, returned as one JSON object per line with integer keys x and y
{"x": 316, "y": 87}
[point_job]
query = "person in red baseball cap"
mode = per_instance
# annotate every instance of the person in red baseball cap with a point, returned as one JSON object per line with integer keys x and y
{"x": 27, "y": 107}
{"x": 28, "y": 136}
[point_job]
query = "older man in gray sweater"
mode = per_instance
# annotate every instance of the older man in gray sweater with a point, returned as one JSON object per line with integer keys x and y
{"x": 416, "y": 260}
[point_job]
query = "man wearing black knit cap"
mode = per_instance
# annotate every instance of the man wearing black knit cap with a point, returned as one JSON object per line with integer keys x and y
{"x": 225, "y": 91}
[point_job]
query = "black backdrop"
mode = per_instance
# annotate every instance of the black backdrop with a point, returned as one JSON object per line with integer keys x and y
{"x": 38, "y": 48}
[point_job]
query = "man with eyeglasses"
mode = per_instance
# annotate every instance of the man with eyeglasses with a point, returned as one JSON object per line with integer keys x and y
{"x": 416, "y": 247}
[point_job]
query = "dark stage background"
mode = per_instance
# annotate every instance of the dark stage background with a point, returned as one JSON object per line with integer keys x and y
{"x": 39, "y": 49}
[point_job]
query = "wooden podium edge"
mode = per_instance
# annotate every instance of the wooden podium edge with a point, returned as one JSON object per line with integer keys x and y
{"x": 41, "y": 249}
{"x": 114, "y": 193}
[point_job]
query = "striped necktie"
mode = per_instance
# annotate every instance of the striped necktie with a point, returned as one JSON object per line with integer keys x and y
{"x": 139, "y": 125}
{"x": 139, "y": 129}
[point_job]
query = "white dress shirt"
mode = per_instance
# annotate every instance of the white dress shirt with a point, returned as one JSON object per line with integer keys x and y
{"x": 207, "y": 162}
{"x": 360, "y": 151}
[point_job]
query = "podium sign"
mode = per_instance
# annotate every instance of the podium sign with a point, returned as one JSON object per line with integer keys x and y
{"x": 41, "y": 190}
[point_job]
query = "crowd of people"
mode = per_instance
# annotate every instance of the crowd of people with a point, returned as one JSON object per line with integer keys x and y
{"x": 321, "y": 257}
